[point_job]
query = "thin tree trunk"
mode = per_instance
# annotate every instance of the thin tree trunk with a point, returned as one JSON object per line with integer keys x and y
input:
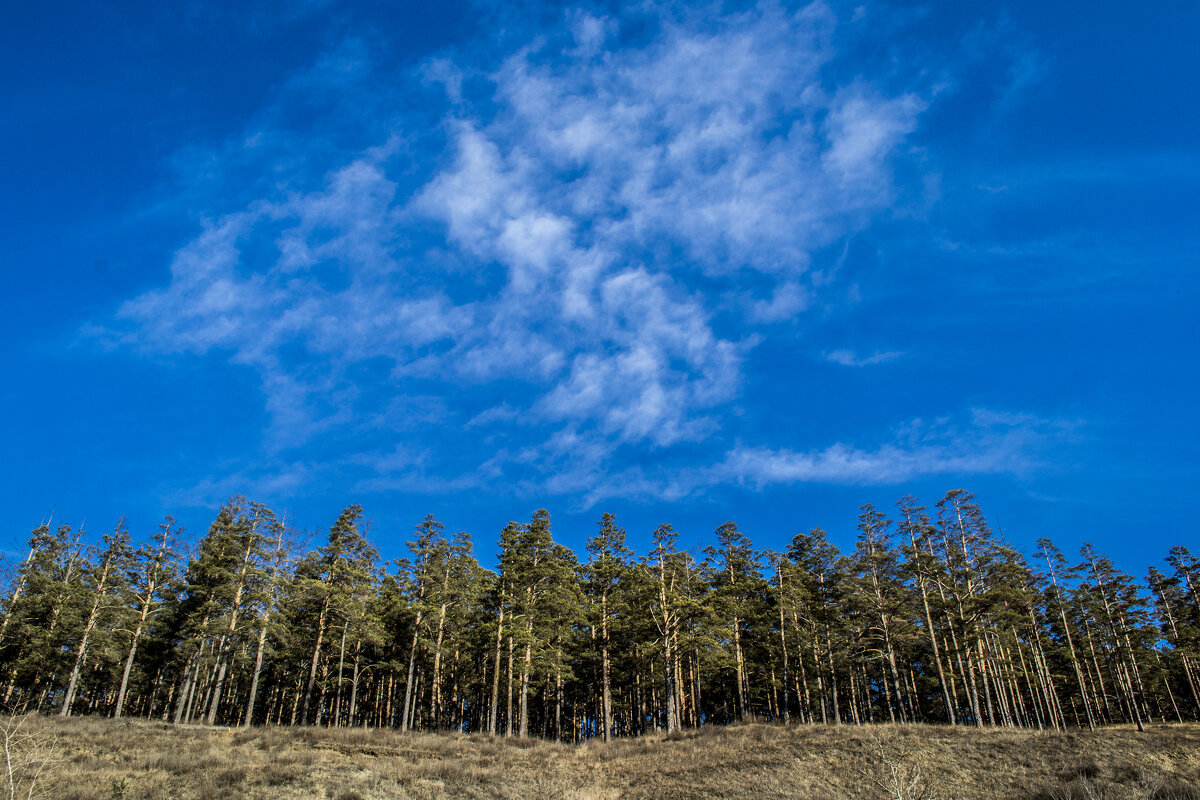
{"x": 526, "y": 666}
{"x": 435, "y": 709}
{"x": 81, "y": 652}
{"x": 412, "y": 661}
{"x": 133, "y": 644}
{"x": 316, "y": 659}
{"x": 264, "y": 620}
{"x": 783, "y": 648}
{"x": 353, "y": 712}
{"x": 605, "y": 667}
{"x": 493, "y": 712}
{"x": 510, "y": 721}
{"x": 337, "y": 703}
{"x": 1083, "y": 691}
{"x": 741, "y": 667}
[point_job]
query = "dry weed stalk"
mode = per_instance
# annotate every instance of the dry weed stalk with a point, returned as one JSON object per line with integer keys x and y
{"x": 1081, "y": 789}
{"x": 28, "y": 751}
{"x": 896, "y": 773}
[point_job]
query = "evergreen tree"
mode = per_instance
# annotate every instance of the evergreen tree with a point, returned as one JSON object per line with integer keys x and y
{"x": 104, "y": 579}
{"x": 922, "y": 567}
{"x": 39, "y": 616}
{"x": 821, "y": 572}
{"x": 267, "y": 592}
{"x": 334, "y": 580}
{"x": 925, "y": 620}
{"x": 607, "y": 565}
{"x": 425, "y": 575}
{"x": 881, "y": 597}
{"x": 151, "y": 573}
{"x": 738, "y": 588}
{"x": 1180, "y": 630}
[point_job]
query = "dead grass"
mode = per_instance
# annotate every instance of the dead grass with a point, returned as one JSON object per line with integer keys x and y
{"x": 103, "y": 759}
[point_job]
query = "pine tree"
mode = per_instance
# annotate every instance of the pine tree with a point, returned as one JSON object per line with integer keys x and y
{"x": 608, "y": 564}
{"x": 666, "y": 568}
{"x": 737, "y": 585}
{"x": 429, "y": 550}
{"x": 882, "y": 597}
{"x": 504, "y": 602}
{"x": 196, "y": 614}
{"x": 334, "y": 581}
{"x": 540, "y": 567}
{"x": 40, "y": 615}
{"x": 268, "y": 592}
{"x": 1056, "y": 566}
{"x": 1120, "y": 611}
{"x": 947, "y": 623}
{"x": 821, "y": 577}
{"x": 922, "y": 567}
{"x": 104, "y": 580}
{"x": 1179, "y": 629}
{"x": 251, "y": 535}
{"x": 454, "y": 600}
{"x": 964, "y": 539}
{"x": 152, "y": 570}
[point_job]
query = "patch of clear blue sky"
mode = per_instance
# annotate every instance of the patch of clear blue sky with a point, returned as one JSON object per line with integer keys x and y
{"x": 1034, "y": 260}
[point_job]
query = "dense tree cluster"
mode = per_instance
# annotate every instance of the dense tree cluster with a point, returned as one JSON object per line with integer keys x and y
{"x": 931, "y": 618}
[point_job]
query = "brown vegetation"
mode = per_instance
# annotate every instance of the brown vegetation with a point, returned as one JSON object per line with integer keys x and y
{"x": 101, "y": 759}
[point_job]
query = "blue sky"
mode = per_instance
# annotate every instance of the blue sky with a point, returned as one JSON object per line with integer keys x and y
{"x": 685, "y": 263}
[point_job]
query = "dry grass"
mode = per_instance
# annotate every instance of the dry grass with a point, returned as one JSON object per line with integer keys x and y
{"x": 102, "y": 759}
{"x": 27, "y": 752}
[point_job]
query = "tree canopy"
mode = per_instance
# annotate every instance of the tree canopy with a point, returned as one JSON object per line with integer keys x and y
{"x": 930, "y": 618}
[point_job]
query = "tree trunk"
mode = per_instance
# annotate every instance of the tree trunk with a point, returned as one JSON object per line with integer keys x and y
{"x": 493, "y": 712}
{"x": 316, "y": 659}
{"x": 81, "y": 652}
{"x": 337, "y": 703}
{"x": 1083, "y": 691}
{"x": 605, "y": 667}
{"x": 525, "y": 668}
{"x": 353, "y": 712}
{"x": 509, "y": 719}
{"x": 435, "y": 708}
{"x": 262, "y": 633}
{"x": 133, "y": 644}
{"x": 740, "y": 661}
{"x": 412, "y": 661}
{"x": 784, "y": 650}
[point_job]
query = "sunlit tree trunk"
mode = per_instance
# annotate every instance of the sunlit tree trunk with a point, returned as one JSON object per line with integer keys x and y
{"x": 322, "y": 618}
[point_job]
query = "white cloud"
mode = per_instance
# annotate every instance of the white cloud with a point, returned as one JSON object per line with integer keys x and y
{"x": 501, "y": 413}
{"x": 863, "y": 128}
{"x": 571, "y": 246}
{"x": 323, "y": 291}
{"x": 787, "y": 301}
{"x": 988, "y": 443}
{"x": 848, "y": 358}
{"x": 717, "y": 137}
{"x": 280, "y": 481}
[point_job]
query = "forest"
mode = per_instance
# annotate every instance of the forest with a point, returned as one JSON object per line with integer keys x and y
{"x": 931, "y": 618}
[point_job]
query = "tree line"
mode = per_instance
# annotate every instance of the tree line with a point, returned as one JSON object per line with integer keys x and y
{"x": 931, "y": 618}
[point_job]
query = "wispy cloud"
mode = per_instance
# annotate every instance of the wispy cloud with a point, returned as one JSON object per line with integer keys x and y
{"x": 788, "y": 301}
{"x": 990, "y": 444}
{"x": 848, "y": 358}
{"x": 562, "y": 256}
{"x": 276, "y": 480}
{"x": 986, "y": 443}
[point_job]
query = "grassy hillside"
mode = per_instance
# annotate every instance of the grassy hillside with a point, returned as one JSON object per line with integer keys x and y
{"x": 94, "y": 759}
